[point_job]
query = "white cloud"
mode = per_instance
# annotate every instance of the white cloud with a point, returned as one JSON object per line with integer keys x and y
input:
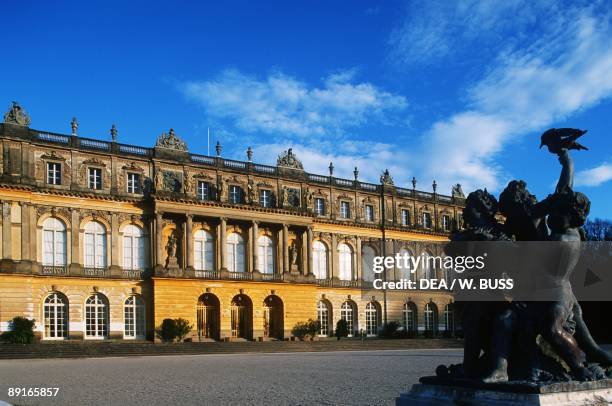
{"x": 436, "y": 29}
{"x": 594, "y": 176}
{"x": 567, "y": 70}
{"x": 280, "y": 104}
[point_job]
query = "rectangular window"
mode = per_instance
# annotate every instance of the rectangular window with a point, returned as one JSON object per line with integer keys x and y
{"x": 369, "y": 212}
{"x": 95, "y": 178}
{"x": 133, "y": 183}
{"x": 320, "y": 206}
{"x": 54, "y": 173}
{"x": 265, "y": 198}
{"x": 235, "y": 194}
{"x": 345, "y": 210}
{"x": 203, "y": 190}
{"x": 426, "y": 220}
{"x": 405, "y": 217}
{"x": 446, "y": 223}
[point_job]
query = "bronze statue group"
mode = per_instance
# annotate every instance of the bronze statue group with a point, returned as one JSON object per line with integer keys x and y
{"x": 537, "y": 332}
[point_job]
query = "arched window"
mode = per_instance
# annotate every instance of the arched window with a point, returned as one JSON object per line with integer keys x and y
{"x": 133, "y": 247}
{"x": 367, "y": 263}
{"x": 235, "y": 253}
{"x": 345, "y": 262}
{"x": 449, "y": 318}
{"x": 323, "y": 318}
{"x": 426, "y": 266}
{"x": 406, "y": 266}
{"x": 265, "y": 254}
{"x": 95, "y": 245}
{"x": 430, "y": 315}
{"x": 203, "y": 251}
{"x": 347, "y": 313}
{"x": 371, "y": 314}
{"x": 410, "y": 320}
{"x": 96, "y": 316}
{"x": 134, "y": 317}
{"x": 54, "y": 242}
{"x": 55, "y": 309}
{"x": 319, "y": 260}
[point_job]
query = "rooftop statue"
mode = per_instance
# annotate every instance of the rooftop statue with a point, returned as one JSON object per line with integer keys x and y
{"x": 288, "y": 159}
{"x": 171, "y": 141}
{"x": 17, "y": 115}
{"x": 386, "y": 179}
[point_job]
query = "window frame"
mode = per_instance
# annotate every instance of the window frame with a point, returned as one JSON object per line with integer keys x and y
{"x": 265, "y": 198}
{"x": 54, "y": 173}
{"x": 319, "y": 208}
{"x": 94, "y": 182}
{"x": 203, "y": 190}
{"x": 133, "y": 183}
{"x": 369, "y": 212}
{"x": 134, "y": 318}
{"x": 345, "y": 209}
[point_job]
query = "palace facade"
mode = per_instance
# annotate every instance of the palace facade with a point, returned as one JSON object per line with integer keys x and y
{"x": 105, "y": 240}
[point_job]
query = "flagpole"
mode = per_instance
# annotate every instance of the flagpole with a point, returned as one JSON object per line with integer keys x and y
{"x": 208, "y": 141}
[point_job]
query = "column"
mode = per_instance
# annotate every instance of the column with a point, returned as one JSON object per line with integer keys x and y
{"x": 114, "y": 240}
{"x": 304, "y": 253}
{"x": 358, "y": 269}
{"x": 6, "y": 231}
{"x": 285, "y": 248}
{"x": 223, "y": 242}
{"x": 255, "y": 233}
{"x": 309, "y": 240}
{"x": 333, "y": 252}
{"x": 25, "y": 231}
{"x": 74, "y": 237}
{"x": 159, "y": 250}
{"x": 189, "y": 236}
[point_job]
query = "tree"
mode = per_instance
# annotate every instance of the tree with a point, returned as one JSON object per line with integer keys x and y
{"x": 598, "y": 230}
{"x": 21, "y": 331}
{"x": 342, "y": 329}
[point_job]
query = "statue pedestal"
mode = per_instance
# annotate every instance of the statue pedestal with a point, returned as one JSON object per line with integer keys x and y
{"x": 433, "y": 391}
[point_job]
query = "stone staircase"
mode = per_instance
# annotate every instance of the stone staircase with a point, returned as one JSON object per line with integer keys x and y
{"x": 80, "y": 349}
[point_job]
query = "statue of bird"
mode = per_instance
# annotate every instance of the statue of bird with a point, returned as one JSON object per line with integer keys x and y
{"x": 557, "y": 139}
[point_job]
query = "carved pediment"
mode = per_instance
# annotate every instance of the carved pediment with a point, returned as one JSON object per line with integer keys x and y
{"x": 132, "y": 167}
{"x": 52, "y": 156}
{"x": 202, "y": 176}
{"x": 94, "y": 162}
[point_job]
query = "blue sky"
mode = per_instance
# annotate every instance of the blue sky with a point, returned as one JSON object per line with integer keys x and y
{"x": 452, "y": 91}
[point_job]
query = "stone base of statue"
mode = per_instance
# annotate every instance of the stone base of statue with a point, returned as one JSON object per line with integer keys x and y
{"x": 295, "y": 269}
{"x": 172, "y": 267}
{"x": 434, "y": 391}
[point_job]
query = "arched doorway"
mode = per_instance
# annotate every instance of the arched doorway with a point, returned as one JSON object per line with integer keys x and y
{"x": 208, "y": 317}
{"x": 242, "y": 317}
{"x": 273, "y": 317}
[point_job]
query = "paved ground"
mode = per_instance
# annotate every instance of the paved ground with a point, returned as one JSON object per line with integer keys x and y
{"x": 331, "y": 378}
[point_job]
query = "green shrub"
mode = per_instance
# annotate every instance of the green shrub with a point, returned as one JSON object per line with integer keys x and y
{"x": 182, "y": 328}
{"x": 21, "y": 331}
{"x": 342, "y": 329}
{"x": 171, "y": 329}
{"x": 313, "y": 327}
{"x": 389, "y": 330}
{"x": 167, "y": 330}
{"x": 300, "y": 330}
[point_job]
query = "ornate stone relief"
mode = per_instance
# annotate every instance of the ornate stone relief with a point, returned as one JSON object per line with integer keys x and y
{"x": 288, "y": 159}
{"x": 171, "y": 141}
{"x": 17, "y": 115}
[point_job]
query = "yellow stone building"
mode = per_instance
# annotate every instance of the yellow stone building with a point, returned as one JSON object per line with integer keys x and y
{"x": 105, "y": 240}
